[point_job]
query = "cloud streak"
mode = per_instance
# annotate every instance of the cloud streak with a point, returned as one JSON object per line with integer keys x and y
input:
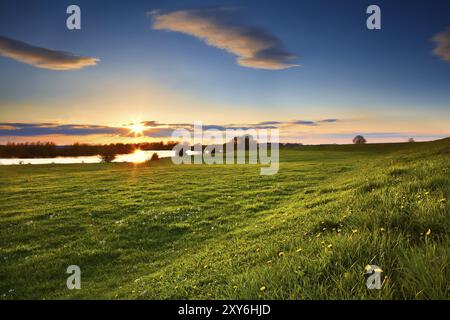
{"x": 298, "y": 122}
{"x": 42, "y": 57}
{"x": 22, "y": 132}
{"x": 153, "y": 129}
{"x": 217, "y": 27}
{"x": 44, "y": 129}
{"x": 442, "y": 41}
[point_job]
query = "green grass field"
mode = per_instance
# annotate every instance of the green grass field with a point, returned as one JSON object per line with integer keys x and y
{"x": 162, "y": 231}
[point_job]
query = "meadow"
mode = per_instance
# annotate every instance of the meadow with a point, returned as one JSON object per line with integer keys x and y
{"x": 161, "y": 231}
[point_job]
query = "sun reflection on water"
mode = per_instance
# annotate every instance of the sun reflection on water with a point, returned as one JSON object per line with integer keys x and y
{"x": 138, "y": 156}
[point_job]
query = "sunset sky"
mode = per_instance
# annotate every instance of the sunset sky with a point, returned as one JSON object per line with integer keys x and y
{"x": 310, "y": 68}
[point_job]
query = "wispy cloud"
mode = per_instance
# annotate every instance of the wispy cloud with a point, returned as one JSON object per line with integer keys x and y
{"x": 44, "y": 129}
{"x": 442, "y": 40}
{"x": 260, "y": 125}
{"x": 298, "y": 122}
{"x": 152, "y": 129}
{"x": 304, "y": 122}
{"x": 328, "y": 121}
{"x": 269, "y": 123}
{"x": 42, "y": 57}
{"x": 218, "y": 27}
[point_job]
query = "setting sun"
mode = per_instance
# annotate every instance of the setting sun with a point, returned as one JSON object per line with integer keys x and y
{"x": 137, "y": 129}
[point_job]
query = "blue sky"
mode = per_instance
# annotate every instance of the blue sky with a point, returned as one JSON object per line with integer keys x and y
{"x": 377, "y": 82}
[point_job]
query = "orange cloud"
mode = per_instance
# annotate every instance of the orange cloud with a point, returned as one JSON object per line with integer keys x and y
{"x": 442, "y": 41}
{"x": 254, "y": 47}
{"x": 42, "y": 57}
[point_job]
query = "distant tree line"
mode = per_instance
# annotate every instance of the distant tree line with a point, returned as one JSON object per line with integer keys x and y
{"x": 109, "y": 151}
{"x": 51, "y": 150}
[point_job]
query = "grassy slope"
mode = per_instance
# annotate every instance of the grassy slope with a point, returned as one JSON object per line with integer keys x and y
{"x": 166, "y": 231}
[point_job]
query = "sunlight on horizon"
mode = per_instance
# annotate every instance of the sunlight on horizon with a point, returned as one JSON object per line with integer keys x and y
{"x": 138, "y": 156}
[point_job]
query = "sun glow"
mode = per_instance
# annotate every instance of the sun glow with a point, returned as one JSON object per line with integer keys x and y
{"x": 138, "y": 156}
{"x": 137, "y": 129}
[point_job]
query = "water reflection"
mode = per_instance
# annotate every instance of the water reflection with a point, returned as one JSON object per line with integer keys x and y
{"x": 137, "y": 157}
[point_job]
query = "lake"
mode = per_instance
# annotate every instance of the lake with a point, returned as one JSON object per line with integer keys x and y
{"x": 138, "y": 156}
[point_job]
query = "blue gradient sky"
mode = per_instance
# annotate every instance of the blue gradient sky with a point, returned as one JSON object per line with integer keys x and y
{"x": 386, "y": 83}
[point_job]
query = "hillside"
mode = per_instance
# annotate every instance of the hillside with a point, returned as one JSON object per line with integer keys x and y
{"x": 225, "y": 232}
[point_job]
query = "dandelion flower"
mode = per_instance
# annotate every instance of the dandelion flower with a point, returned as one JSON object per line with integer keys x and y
{"x": 263, "y": 289}
{"x": 281, "y": 253}
{"x": 330, "y": 246}
{"x": 428, "y": 232}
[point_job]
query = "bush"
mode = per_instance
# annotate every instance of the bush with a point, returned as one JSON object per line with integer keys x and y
{"x": 154, "y": 157}
{"x": 107, "y": 157}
